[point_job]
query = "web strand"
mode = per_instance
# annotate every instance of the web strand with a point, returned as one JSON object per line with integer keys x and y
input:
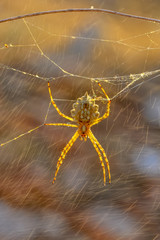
{"x": 130, "y": 81}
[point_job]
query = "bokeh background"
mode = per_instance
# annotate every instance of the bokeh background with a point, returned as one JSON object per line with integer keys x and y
{"x": 78, "y": 206}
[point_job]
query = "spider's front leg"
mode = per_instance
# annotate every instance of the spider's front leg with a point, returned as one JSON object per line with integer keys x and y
{"x": 106, "y": 114}
{"x": 54, "y": 104}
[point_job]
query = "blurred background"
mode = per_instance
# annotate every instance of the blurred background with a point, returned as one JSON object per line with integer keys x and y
{"x": 115, "y": 48}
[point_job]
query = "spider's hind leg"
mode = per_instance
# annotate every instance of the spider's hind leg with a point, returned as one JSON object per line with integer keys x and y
{"x": 64, "y": 152}
{"x": 100, "y": 157}
{"x": 104, "y": 154}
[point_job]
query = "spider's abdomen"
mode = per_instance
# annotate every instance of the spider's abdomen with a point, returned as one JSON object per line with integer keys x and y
{"x": 85, "y": 110}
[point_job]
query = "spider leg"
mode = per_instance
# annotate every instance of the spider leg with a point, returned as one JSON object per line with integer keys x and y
{"x": 21, "y": 135}
{"x": 60, "y": 124}
{"x": 104, "y": 154}
{"x": 106, "y": 114}
{"x": 54, "y": 104}
{"x": 100, "y": 157}
{"x": 64, "y": 152}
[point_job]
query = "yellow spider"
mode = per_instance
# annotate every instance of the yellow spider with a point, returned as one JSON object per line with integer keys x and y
{"x": 85, "y": 114}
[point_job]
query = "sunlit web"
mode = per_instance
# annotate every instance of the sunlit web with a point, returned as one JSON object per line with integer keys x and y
{"x": 125, "y": 83}
{"x": 121, "y": 83}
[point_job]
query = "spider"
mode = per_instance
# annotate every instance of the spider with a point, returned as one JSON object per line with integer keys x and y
{"x": 84, "y": 114}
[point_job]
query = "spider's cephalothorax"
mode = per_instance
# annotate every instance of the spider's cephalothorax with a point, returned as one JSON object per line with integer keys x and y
{"x": 84, "y": 112}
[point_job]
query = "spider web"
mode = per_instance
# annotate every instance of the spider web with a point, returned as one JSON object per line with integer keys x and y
{"x": 72, "y": 55}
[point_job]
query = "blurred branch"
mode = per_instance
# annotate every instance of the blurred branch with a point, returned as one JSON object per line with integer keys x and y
{"x": 80, "y": 10}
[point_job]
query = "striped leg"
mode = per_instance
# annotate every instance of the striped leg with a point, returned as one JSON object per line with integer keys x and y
{"x": 106, "y": 114}
{"x": 104, "y": 155}
{"x": 100, "y": 157}
{"x": 64, "y": 152}
{"x": 54, "y": 104}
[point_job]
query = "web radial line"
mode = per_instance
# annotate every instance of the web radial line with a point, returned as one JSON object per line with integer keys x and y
{"x": 120, "y": 42}
{"x": 60, "y": 124}
{"x": 54, "y": 104}
{"x": 2, "y": 66}
{"x": 64, "y": 152}
{"x": 100, "y": 157}
{"x": 23, "y": 72}
{"x": 46, "y": 116}
{"x": 123, "y": 90}
{"x": 42, "y": 53}
{"x": 104, "y": 155}
{"x": 21, "y": 135}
